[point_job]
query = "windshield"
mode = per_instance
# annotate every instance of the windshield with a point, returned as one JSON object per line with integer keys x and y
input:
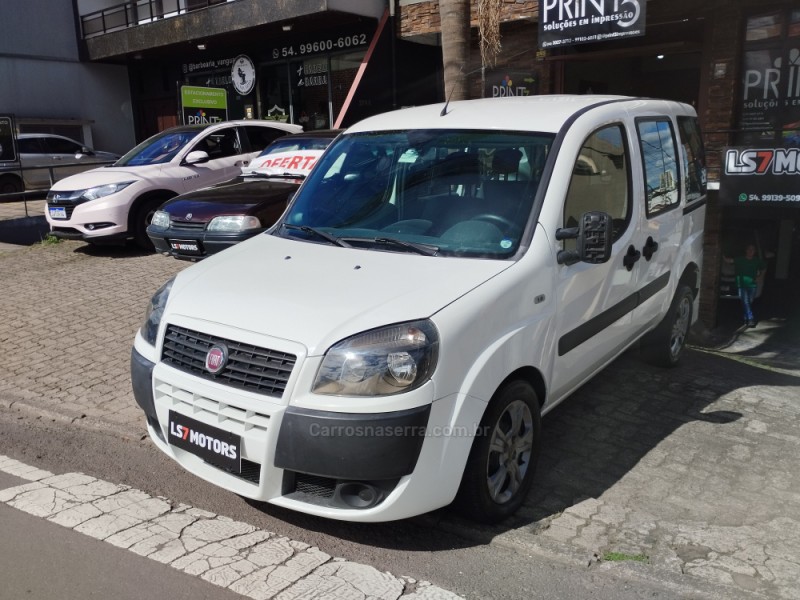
{"x": 158, "y": 149}
{"x": 443, "y": 192}
{"x": 290, "y": 155}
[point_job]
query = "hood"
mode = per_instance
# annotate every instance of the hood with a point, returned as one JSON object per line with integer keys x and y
{"x": 101, "y": 176}
{"x": 317, "y": 294}
{"x": 238, "y": 196}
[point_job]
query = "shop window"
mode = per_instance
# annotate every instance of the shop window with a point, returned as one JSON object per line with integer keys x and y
{"x": 600, "y": 181}
{"x": 657, "y": 141}
{"x": 764, "y": 27}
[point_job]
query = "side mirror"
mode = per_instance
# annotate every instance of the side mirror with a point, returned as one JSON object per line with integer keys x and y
{"x": 196, "y": 157}
{"x": 593, "y": 237}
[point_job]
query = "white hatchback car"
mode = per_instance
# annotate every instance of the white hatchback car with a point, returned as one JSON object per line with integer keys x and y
{"x": 444, "y": 276}
{"x": 116, "y": 203}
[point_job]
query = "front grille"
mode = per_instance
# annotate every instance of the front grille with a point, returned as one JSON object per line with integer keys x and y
{"x": 68, "y": 208}
{"x": 311, "y": 485}
{"x": 187, "y": 225}
{"x": 248, "y": 368}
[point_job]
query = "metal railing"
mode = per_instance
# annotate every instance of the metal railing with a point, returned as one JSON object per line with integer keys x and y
{"x": 138, "y": 12}
{"x": 51, "y": 173}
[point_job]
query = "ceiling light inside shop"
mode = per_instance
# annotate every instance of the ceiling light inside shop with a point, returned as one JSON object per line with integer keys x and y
{"x": 287, "y": 27}
{"x": 660, "y": 57}
{"x": 201, "y": 46}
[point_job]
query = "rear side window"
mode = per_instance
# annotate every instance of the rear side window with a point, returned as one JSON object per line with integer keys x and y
{"x": 59, "y": 146}
{"x": 30, "y": 146}
{"x": 660, "y": 164}
{"x": 220, "y": 144}
{"x": 600, "y": 180}
{"x": 261, "y": 137}
{"x": 693, "y": 159}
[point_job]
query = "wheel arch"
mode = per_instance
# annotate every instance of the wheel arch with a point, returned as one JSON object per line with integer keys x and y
{"x": 531, "y": 375}
{"x": 149, "y": 196}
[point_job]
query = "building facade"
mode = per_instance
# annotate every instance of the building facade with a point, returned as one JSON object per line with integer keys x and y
{"x": 130, "y": 68}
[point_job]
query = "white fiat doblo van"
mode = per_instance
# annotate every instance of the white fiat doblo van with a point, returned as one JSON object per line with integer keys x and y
{"x": 445, "y": 276}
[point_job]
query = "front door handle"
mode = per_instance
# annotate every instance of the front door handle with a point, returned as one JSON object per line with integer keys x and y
{"x": 631, "y": 257}
{"x": 650, "y": 248}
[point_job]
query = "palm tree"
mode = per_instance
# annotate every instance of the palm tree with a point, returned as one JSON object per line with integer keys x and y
{"x": 455, "y": 19}
{"x": 454, "y": 15}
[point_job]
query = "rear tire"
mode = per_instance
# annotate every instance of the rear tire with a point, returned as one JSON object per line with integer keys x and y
{"x": 502, "y": 462}
{"x": 10, "y": 184}
{"x": 664, "y": 345}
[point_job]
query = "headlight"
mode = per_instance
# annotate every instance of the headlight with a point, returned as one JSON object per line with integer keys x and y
{"x": 160, "y": 219}
{"x": 234, "y": 223}
{"x": 381, "y": 362}
{"x": 155, "y": 310}
{"x": 105, "y": 190}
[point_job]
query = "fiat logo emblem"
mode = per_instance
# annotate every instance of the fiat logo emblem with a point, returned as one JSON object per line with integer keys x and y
{"x": 216, "y": 359}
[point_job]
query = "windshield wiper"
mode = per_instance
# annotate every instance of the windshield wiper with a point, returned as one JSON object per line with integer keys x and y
{"x": 423, "y": 249}
{"x": 320, "y": 234}
{"x": 274, "y": 175}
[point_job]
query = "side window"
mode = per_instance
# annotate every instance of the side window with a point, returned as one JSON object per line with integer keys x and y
{"x": 261, "y": 137}
{"x": 220, "y": 144}
{"x": 30, "y": 146}
{"x": 693, "y": 159}
{"x": 660, "y": 164}
{"x": 600, "y": 180}
{"x": 58, "y": 146}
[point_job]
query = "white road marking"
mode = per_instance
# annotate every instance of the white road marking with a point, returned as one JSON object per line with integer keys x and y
{"x": 231, "y": 554}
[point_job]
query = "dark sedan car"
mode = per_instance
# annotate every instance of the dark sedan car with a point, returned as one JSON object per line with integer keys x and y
{"x": 194, "y": 225}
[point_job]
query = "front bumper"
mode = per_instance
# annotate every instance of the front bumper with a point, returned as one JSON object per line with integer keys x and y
{"x": 195, "y": 244}
{"x": 351, "y": 466}
{"x": 96, "y": 221}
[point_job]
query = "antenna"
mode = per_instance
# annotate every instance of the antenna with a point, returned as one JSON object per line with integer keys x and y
{"x": 447, "y": 102}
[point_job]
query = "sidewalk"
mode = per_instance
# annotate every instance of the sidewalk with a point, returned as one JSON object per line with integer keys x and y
{"x": 690, "y": 473}
{"x": 22, "y": 224}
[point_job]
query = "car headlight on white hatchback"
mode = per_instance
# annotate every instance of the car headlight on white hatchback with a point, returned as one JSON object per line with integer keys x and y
{"x": 385, "y": 361}
{"x": 102, "y": 191}
{"x": 234, "y": 223}
{"x": 155, "y": 310}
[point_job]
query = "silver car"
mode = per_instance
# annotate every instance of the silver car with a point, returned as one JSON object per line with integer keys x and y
{"x": 51, "y": 152}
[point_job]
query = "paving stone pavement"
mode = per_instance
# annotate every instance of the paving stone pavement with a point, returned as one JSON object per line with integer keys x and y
{"x": 691, "y": 471}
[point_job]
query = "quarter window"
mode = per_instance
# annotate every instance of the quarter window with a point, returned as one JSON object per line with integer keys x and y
{"x": 600, "y": 180}
{"x": 657, "y": 140}
{"x": 693, "y": 159}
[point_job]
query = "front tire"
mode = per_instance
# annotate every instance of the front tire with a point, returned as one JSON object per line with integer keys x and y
{"x": 664, "y": 345}
{"x": 502, "y": 462}
{"x": 141, "y": 219}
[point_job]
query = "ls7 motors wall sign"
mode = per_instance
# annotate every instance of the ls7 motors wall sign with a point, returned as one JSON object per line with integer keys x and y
{"x": 761, "y": 176}
{"x": 566, "y": 22}
{"x": 243, "y": 75}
